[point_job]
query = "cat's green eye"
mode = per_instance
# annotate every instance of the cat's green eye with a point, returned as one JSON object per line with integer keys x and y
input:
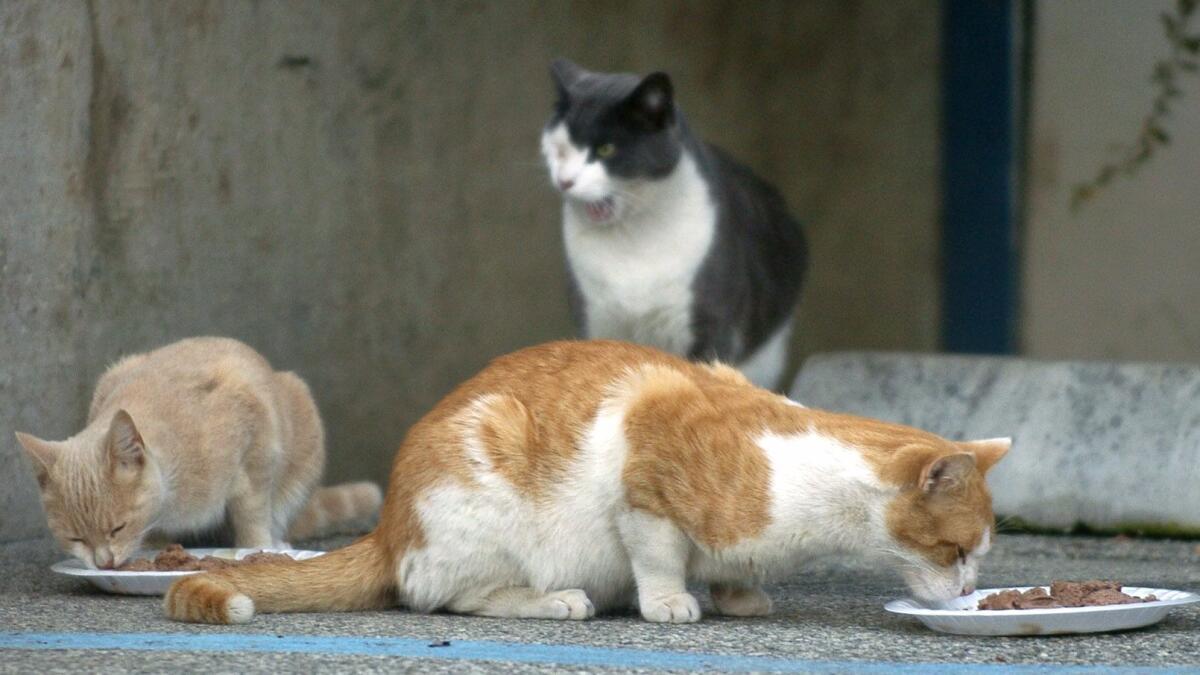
{"x": 606, "y": 150}
{"x": 116, "y": 529}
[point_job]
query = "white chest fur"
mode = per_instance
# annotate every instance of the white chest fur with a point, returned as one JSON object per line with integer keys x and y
{"x": 636, "y": 272}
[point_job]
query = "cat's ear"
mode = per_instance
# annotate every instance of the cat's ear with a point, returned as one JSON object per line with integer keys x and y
{"x": 126, "y": 449}
{"x": 987, "y": 452}
{"x": 651, "y": 106}
{"x": 565, "y": 73}
{"x": 42, "y": 453}
{"x": 946, "y": 472}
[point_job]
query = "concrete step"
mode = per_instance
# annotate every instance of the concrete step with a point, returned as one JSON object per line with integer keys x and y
{"x": 1110, "y": 446}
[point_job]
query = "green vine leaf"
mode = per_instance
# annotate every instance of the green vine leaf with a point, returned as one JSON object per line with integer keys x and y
{"x": 1170, "y": 24}
{"x": 1165, "y": 77}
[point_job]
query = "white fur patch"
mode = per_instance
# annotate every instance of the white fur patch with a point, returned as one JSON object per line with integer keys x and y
{"x": 636, "y": 272}
{"x": 824, "y": 490}
{"x": 239, "y": 609}
{"x": 985, "y": 544}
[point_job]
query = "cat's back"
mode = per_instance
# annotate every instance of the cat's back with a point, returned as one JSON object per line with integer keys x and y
{"x": 561, "y": 383}
{"x": 202, "y": 376}
{"x": 522, "y": 418}
{"x": 532, "y": 417}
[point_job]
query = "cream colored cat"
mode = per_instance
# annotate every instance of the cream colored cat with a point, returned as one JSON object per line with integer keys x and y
{"x": 574, "y": 476}
{"x": 181, "y": 437}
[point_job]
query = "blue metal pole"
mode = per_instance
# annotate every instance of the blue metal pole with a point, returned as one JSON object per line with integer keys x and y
{"x": 982, "y": 115}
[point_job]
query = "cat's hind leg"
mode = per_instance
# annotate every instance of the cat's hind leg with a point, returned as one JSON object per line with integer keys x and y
{"x": 740, "y": 599}
{"x": 659, "y": 552}
{"x": 523, "y": 602}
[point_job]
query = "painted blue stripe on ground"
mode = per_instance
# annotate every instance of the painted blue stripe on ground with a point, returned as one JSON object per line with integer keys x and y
{"x": 472, "y": 650}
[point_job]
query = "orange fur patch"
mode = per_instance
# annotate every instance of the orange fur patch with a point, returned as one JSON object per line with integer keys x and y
{"x": 689, "y": 464}
{"x": 509, "y": 435}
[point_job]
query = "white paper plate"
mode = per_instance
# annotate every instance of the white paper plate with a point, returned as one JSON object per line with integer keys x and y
{"x": 960, "y": 615}
{"x": 157, "y": 583}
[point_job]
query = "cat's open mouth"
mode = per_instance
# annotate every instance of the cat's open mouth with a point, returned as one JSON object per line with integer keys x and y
{"x": 601, "y": 209}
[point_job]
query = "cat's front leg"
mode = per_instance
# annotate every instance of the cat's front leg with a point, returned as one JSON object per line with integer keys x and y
{"x": 250, "y": 515}
{"x": 659, "y": 552}
{"x": 740, "y": 600}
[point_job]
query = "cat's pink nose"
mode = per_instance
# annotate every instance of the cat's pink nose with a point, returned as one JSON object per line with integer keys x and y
{"x": 967, "y": 590}
{"x": 565, "y": 185}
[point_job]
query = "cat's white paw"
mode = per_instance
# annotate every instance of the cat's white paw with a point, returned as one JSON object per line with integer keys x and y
{"x": 572, "y": 604}
{"x": 734, "y": 601}
{"x": 674, "y": 608}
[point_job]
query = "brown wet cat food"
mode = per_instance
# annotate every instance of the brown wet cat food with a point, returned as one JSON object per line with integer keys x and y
{"x": 1092, "y": 593}
{"x": 174, "y": 558}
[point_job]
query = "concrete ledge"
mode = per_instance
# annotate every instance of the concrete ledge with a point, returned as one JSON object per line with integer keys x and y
{"x": 1111, "y": 446}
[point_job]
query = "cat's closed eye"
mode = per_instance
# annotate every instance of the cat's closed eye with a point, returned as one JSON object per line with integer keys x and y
{"x": 606, "y": 150}
{"x": 75, "y": 540}
{"x": 962, "y": 554}
{"x": 116, "y": 529}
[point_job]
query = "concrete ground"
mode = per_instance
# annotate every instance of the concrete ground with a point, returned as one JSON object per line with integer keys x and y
{"x": 828, "y": 619}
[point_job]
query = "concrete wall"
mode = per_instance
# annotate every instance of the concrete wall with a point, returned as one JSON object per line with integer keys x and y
{"x": 1117, "y": 279}
{"x": 355, "y": 189}
{"x": 1112, "y": 428}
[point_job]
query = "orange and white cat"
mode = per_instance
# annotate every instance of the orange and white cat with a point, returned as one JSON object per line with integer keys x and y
{"x": 575, "y": 476}
{"x": 182, "y": 437}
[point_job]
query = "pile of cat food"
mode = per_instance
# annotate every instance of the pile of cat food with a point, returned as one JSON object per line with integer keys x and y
{"x": 174, "y": 558}
{"x": 1063, "y": 594}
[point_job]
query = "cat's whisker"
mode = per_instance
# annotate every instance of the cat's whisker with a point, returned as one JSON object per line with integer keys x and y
{"x": 906, "y": 560}
{"x": 1002, "y": 525}
{"x": 634, "y": 200}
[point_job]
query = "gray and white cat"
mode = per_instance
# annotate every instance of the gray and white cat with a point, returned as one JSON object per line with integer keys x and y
{"x": 669, "y": 241}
